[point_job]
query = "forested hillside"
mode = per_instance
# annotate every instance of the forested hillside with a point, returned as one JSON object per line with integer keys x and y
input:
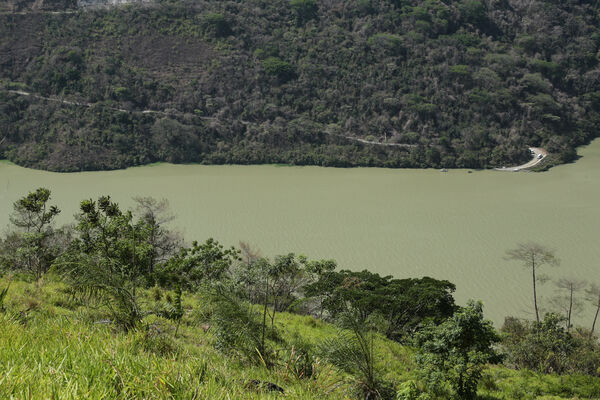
{"x": 425, "y": 83}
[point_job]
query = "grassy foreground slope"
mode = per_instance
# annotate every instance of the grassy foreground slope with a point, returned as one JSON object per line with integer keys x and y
{"x": 53, "y": 348}
{"x": 451, "y": 83}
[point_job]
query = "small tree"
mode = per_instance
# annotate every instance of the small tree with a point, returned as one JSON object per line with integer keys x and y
{"x": 533, "y": 256}
{"x": 457, "y": 350}
{"x": 245, "y": 275}
{"x": 207, "y": 263}
{"x": 572, "y": 305}
{"x": 106, "y": 262}
{"x": 323, "y": 282}
{"x": 286, "y": 275}
{"x": 593, "y": 296}
{"x": 34, "y": 246}
{"x": 275, "y": 66}
{"x": 164, "y": 243}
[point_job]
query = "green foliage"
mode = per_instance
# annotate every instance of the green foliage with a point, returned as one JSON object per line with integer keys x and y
{"x": 239, "y": 330}
{"x": 353, "y": 351}
{"x": 348, "y": 64}
{"x": 405, "y": 303}
{"x": 387, "y": 42}
{"x": 473, "y": 12}
{"x": 216, "y": 24}
{"x": 456, "y": 351}
{"x": 108, "y": 259}
{"x": 35, "y": 244}
{"x": 460, "y": 70}
{"x": 548, "y": 347}
{"x": 274, "y": 66}
{"x": 202, "y": 263}
{"x": 119, "y": 265}
{"x": 304, "y": 10}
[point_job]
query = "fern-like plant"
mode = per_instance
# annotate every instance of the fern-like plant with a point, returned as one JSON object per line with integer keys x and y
{"x": 241, "y": 330}
{"x": 353, "y": 351}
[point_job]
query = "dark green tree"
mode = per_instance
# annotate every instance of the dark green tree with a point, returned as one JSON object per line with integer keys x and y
{"x": 216, "y": 25}
{"x": 405, "y": 303}
{"x": 279, "y": 68}
{"x": 456, "y": 351}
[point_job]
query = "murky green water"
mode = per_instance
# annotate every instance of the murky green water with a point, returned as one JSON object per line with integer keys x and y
{"x": 407, "y": 223}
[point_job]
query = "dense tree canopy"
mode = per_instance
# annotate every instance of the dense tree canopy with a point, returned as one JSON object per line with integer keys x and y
{"x": 453, "y": 83}
{"x": 404, "y": 303}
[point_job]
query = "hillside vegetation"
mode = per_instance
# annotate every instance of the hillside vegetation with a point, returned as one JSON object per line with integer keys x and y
{"x": 53, "y": 348}
{"x": 115, "y": 305}
{"x": 451, "y": 83}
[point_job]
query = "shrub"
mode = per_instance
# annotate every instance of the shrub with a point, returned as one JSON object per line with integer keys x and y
{"x": 277, "y": 67}
{"x": 353, "y": 351}
{"x": 456, "y": 351}
{"x": 547, "y": 347}
{"x": 240, "y": 330}
{"x": 216, "y": 24}
{"x": 304, "y": 10}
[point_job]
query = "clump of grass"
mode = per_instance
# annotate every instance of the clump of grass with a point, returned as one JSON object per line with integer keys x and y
{"x": 155, "y": 339}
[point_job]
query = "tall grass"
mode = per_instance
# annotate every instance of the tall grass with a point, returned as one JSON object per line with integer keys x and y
{"x": 51, "y": 347}
{"x": 57, "y": 353}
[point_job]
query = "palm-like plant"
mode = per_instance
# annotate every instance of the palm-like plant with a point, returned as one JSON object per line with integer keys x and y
{"x": 353, "y": 351}
{"x": 241, "y": 330}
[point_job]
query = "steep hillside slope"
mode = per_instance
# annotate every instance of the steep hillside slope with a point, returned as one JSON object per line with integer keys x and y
{"x": 420, "y": 83}
{"x": 50, "y": 344}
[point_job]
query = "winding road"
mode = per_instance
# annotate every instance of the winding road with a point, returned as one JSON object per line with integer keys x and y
{"x": 85, "y": 104}
{"x": 539, "y": 154}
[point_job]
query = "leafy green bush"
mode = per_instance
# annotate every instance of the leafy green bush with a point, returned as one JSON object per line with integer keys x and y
{"x": 387, "y": 42}
{"x": 216, "y": 25}
{"x": 455, "y": 352}
{"x": 275, "y": 66}
{"x": 548, "y": 347}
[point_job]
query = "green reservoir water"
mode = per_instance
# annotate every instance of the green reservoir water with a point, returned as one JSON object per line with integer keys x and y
{"x": 407, "y": 223}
